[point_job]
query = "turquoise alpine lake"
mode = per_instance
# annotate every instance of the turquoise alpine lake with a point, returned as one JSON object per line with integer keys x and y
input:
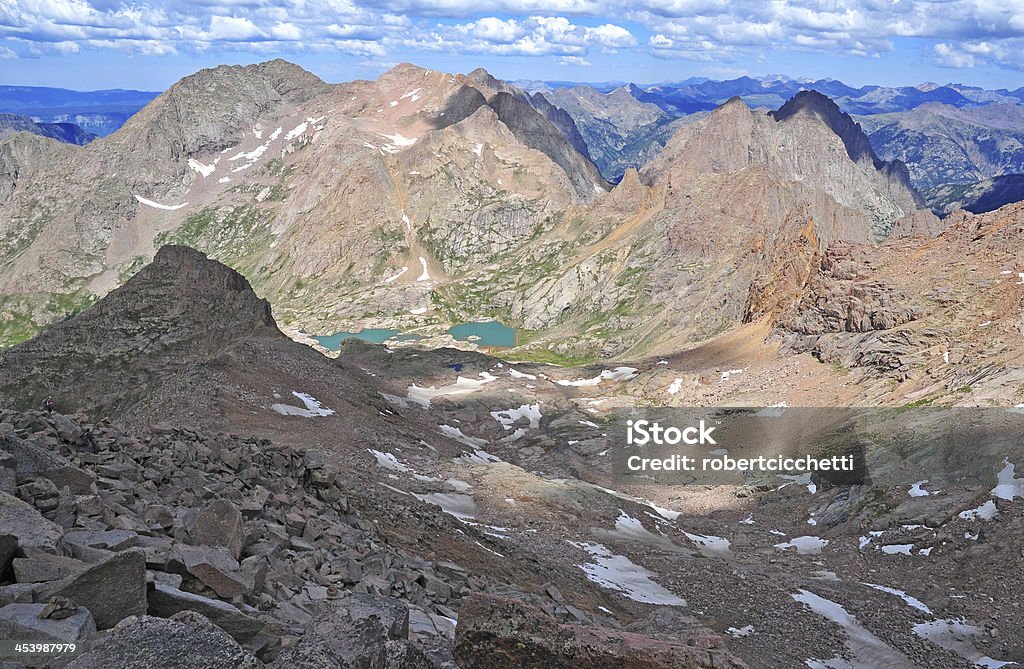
{"x": 485, "y": 333}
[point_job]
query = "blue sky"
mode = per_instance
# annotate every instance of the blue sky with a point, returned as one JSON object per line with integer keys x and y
{"x": 149, "y": 44}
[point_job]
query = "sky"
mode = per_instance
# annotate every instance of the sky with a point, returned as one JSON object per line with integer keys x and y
{"x": 150, "y": 44}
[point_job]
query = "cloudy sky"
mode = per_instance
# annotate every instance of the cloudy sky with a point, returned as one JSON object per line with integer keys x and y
{"x": 149, "y": 44}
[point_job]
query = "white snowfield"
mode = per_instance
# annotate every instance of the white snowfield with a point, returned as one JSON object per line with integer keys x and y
{"x": 388, "y": 461}
{"x": 740, "y": 632}
{"x": 205, "y": 170}
{"x": 628, "y": 528}
{"x": 617, "y": 374}
{"x": 454, "y": 504}
{"x": 509, "y": 417}
{"x": 620, "y": 574}
{"x": 396, "y": 276}
{"x": 799, "y": 479}
{"x": 462, "y": 386}
{"x": 157, "y": 205}
{"x": 398, "y": 140}
{"x": 806, "y": 545}
{"x": 911, "y": 601}
{"x": 296, "y": 131}
{"x": 954, "y": 635}
{"x": 710, "y": 545}
{"x": 425, "y": 276}
{"x": 868, "y": 649}
{"x": 457, "y": 434}
{"x": 917, "y": 491}
{"x": 312, "y": 409}
{"x": 897, "y": 549}
{"x": 251, "y": 155}
{"x": 1008, "y": 487}
{"x": 986, "y": 511}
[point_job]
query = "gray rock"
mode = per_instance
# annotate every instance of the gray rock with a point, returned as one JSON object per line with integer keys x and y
{"x": 33, "y": 460}
{"x": 501, "y": 632}
{"x": 185, "y": 641}
{"x": 213, "y": 566}
{"x": 358, "y": 632}
{"x": 392, "y": 614}
{"x": 164, "y": 601}
{"x": 19, "y": 593}
{"x": 29, "y": 527}
{"x": 23, "y": 622}
{"x": 219, "y": 524}
{"x": 111, "y": 590}
{"x": 37, "y": 567}
{"x": 111, "y": 540}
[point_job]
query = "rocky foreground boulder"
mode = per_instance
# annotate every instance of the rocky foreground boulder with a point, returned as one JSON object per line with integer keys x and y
{"x": 186, "y": 640}
{"x": 505, "y": 633}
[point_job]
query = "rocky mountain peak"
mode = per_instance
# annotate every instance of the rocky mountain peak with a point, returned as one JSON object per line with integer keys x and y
{"x": 204, "y": 113}
{"x": 808, "y": 141}
{"x": 633, "y": 90}
{"x": 180, "y": 310}
{"x": 536, "y": 131}
{"x": 180, "y": 275}
{"x": 734, "y": 103}
{"x": 486, "y": 83}
{"x": 197, "y": 292}
{"x": 822, "y": 107}
{"x": 814, "y": 104}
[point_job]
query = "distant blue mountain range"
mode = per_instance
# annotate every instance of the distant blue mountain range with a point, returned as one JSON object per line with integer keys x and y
{"x": 701, "y": 94}
{"x": 97, "y": 112}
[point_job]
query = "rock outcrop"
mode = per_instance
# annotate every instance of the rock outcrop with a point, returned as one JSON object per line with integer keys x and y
{"x": 181, "y": 309}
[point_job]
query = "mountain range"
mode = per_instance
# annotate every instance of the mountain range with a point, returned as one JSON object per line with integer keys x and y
{"x": 949, "y": 136}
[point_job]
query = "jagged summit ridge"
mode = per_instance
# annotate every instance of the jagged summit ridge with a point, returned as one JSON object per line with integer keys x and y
{"x": 858, "y": 145}
{"x": 824, "y": 108}
{"x": 809, "y": 141}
